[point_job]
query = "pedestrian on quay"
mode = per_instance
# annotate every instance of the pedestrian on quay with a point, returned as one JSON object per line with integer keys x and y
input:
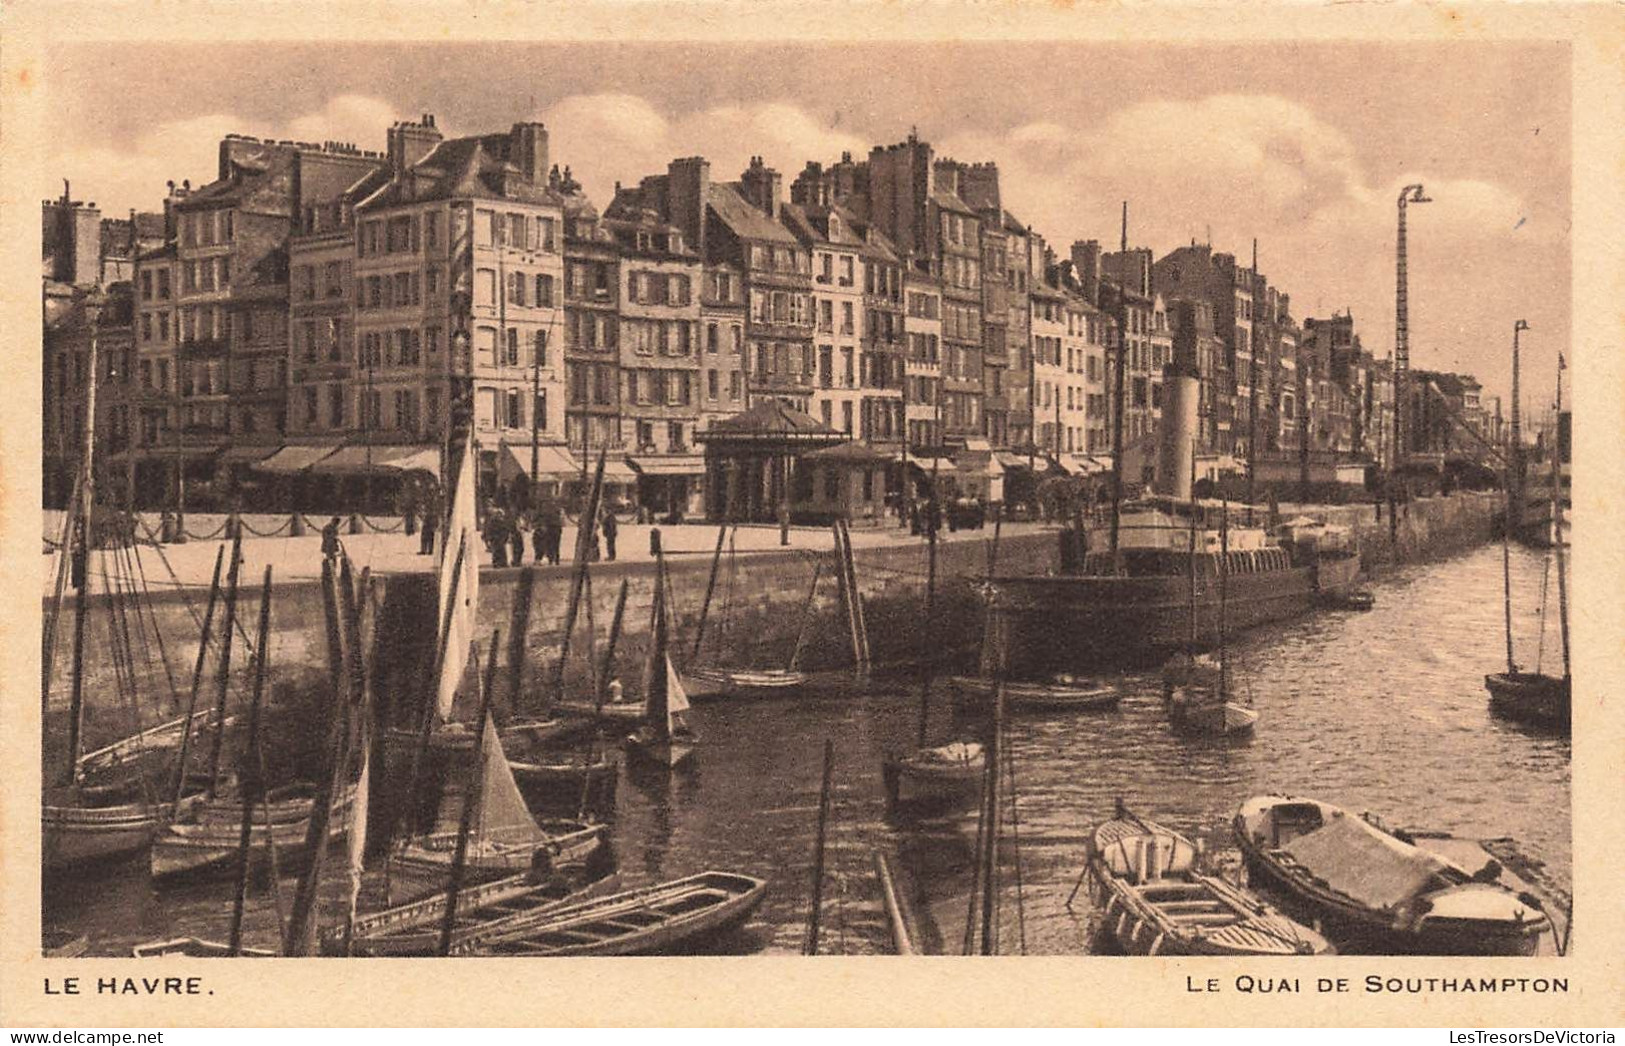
{"x": 496, "y": 537}
{"x": 431, "y": 522}
{"x": 330, "y": 540}
{"x": 610, "y": 528}
{"x": 552, "y": 522}
{"x": 516, "y": 535}
{"x": 538, "y": 535}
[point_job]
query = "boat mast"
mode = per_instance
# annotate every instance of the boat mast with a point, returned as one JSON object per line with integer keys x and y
{"x": 1224, "y": 573}
{"x": 930, "y": 598}
{"x": 229, "y": 626}
{"x": 253, "y": 785}
{"x": 84, "y": 539}
{"x": 1557, "y": 523}
{"x": 656, "y": 710}
{"x": 1192, "y": 648}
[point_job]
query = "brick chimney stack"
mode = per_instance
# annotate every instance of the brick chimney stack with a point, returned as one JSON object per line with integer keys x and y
{"x": 763, "y": 186}
{"x": 527, "y": 150}
{"x": 410, "y": 142}
{"x": 688, "y": 188}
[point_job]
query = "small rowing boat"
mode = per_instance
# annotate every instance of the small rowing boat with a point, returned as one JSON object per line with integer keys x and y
{"x": 1064, "y": 693}
{"x": 946, "y": 772}
{"x": 711, "y": 684}
{"x": 665, "y": 919}
{"x": 1530, "y": 697}
{"x": 194, "y": 948}
{"x": 206, "y": 847}
{"x": 1378, "y": 888}
{"x": 415, "y": 928}
{"x": 1155, "y": 900}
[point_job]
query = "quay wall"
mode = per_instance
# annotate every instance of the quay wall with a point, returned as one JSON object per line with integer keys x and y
{"x": 756, "y": 617}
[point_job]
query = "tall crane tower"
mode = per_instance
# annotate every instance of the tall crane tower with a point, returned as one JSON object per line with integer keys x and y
{"x": 1402, "y": 348}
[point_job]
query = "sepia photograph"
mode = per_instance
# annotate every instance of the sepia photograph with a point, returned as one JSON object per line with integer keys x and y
{"x": 686, "y": 496}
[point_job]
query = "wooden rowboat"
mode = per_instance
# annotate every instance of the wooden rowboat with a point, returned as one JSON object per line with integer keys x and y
{"x": 547, "y": 778}
{"x": 194, "y": 948}
{"x": 664, "y": 919}
{"x": 1061, "y": 694}
{"x": 1378, "y": 888}
{"x": 212, "y": 846}
{"x": 281, "y": 805}
{"x": 1153, "y": 899}
{"x": 424, "y": 865}
{"x": 1199, "y": 711}
{"x": 947, "y": 772}
{"x": 1530, "y": 697}
{"x": 618, "y": 712}
{"x": 710, "y": 684}
{"x": 415, "y": 928}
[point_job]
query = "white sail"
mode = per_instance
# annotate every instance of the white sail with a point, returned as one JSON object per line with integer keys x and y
{"x": 676, "y": 696}
{"x": 460, "y": 533}
{"x": 356, "y": 844}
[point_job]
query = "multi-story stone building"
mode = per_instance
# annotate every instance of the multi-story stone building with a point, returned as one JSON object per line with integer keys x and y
{"x": 1050, "y": 379}
{"x": 91, "y": 317}
{"x": 463, "y": 252}
{"x": 722, "y": 315}
{"x": 1190, "y": 322}
{"x": 156, "y": 392}
{"x": 978, "y": 185}
{"x": 324, "y": 381}
{"x": 1196, "y": 273}
{"x": 660, "y": 356}
{"x": 837, "y": 301}
{"x": 593, "y": 386}
{"x": 922, "y": 331}
{"x": 1018, "y": 377}
{"x": 883, "y": 370}
{"x": 958, "y": 258}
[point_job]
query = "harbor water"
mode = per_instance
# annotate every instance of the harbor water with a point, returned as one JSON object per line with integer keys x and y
{"x": 1381, "y": 711}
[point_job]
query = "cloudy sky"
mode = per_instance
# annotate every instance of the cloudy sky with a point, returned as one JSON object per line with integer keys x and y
{"x": 1301, "y": 146}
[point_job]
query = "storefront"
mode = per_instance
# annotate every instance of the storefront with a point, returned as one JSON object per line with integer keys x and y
{"x": 847, "y": 481}
{"x": 670, "y": 487}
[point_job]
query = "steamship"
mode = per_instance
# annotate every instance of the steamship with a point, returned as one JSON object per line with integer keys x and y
{"x": 1161, "y": 590}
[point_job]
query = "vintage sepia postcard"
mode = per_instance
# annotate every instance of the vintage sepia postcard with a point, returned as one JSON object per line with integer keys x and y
{"x": 1114, "y": 494}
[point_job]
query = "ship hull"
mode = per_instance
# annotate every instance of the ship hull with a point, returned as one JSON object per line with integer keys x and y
{"x": 1065, "y": 621}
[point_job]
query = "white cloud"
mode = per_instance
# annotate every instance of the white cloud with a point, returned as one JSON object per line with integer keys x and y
{"x": 134, "y": 176}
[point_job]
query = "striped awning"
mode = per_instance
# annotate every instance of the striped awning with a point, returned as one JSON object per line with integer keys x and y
{"x": 666, "y": 464}
{"x": 553, "y": 463}
{"x": 393, "y": 458}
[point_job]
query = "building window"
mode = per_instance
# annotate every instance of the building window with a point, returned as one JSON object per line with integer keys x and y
{"x": 539, "y": 349}
{"x": 544, "y": 291}
{"x": 539, "y": 408}
{"x": 516, "y": 294}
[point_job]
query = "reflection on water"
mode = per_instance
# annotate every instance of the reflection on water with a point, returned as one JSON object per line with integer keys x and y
{"x": 1382, "y": 711}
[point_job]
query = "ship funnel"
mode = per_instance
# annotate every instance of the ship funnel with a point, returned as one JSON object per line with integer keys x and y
{"x": 1180, "y": 391}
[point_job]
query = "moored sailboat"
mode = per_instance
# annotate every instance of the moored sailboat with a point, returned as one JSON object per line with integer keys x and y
{"x": 665, "y": 738}
{"x": 1535, "y": 697}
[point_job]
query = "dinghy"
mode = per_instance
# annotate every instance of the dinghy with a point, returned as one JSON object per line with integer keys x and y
{"x": 211, "y": 847}
{"x": 664, "y": 919}
{"x": 1378, "y": 887}
{"x": 194, "y": 948}
{"x": 415, "y": 928}
{"x": 950, "y": 771}
{"x": 1062, "y": 693}
{"x": 1155, "y": 900}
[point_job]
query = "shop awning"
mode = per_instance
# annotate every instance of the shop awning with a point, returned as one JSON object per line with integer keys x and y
{"x": 245, "y": 455}
{"x": 1011, "y": 460}
{"x": 927, "y": 464}
{"x": 616, "y": 470}
{"x": 295, "y": 458}
{"x": 666, "y": 464}
{"x": 978, "y": 446}
{"x": 977, "y": 465}
{"x": 552, "y": 462}
{"x": 1081, "y": 465}
{"x": 379, "y": 458}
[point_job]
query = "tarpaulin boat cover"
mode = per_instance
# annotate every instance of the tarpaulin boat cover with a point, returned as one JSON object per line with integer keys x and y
{"x": 1370, "y": 866}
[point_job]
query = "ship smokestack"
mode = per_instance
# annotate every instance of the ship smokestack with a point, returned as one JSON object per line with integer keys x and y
{"x": 1181, "y": 391}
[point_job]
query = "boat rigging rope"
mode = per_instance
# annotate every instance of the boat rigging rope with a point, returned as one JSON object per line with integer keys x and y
{"x": 1545, "y": 580}
{"x": 191, "y": 608}
{"x": 152, "y": 615}
{"x": 1015, "y": 841}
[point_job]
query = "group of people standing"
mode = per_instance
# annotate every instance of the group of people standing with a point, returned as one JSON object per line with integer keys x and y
{"x": 505, "y": 535}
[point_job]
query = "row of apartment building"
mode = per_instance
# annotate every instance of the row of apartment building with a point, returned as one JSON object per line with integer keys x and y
{"x": 314, "y": 295}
